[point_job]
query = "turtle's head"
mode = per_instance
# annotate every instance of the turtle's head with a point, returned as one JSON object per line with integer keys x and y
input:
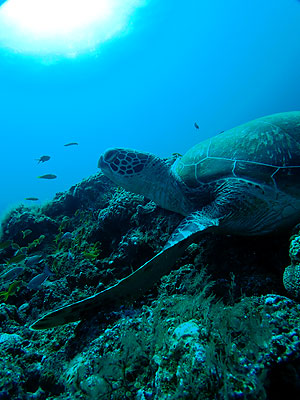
{"x": 142, "y": 173}
{"x": 129, "y": 168}
{"x": 123, "y": 163}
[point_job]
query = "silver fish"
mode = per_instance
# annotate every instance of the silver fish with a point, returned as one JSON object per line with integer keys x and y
{"x": 71, "y": 256}
{"x": 39, "y": 279}
{"x": 12, "y": 274}
{"x": 33, "y": 260}
{"x": 66, "y": 236}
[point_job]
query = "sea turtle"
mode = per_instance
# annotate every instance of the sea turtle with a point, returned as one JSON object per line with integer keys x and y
{"x": 244, "y": 181}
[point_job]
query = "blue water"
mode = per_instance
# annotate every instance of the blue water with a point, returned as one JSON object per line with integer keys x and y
{"x": 218, "y": 63}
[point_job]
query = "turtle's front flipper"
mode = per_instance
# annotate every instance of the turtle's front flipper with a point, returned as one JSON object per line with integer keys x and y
{"x": 193, "y": 223}
{"x": 137, "y": 283}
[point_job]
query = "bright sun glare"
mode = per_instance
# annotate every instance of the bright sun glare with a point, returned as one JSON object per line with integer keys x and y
{"x": 62, "y": 27}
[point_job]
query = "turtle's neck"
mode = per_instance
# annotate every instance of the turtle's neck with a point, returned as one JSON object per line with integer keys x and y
{"x": 160, "y": 185}
{"x": 155, "y": 180}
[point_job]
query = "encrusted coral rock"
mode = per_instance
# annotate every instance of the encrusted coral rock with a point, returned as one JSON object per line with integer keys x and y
{"x": 295, "y": 249}
{"x": 291, "y": 280}
{"x": 291, "y": 276}
{"x": 186, "y": 329}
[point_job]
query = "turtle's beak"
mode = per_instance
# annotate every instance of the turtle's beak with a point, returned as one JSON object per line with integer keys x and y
{"x": 100, "y": 162}
{"x": 107, "y": 158}
{"x": 103, "y": 165}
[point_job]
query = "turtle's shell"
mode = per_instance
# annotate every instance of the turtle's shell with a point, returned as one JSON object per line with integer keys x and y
{"x": 266, "y": 151}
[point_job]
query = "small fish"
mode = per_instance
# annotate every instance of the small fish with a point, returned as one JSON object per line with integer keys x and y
{"x": 33, "y": 260}
{"x": 47, "y": 176}
{"x": 71, "y": 144}
{"x": 15, "y": 259}
{"x": 196, "y": 125}
{"x": 26, "y": 233}
{"x": 12, "y": 289}
{"x": 12, "y": 274}
{"x": 22, "y": 250}
{"x": 39, "y": 279}
{"x": 5, "y": 244}
{"x": 15, "y": 246}
{"x": 36, "y": 242}
{"x": 43, "y": 159}
{"x": 32, "y": 198}
{"x": 71, "y": 256}
{"x": 176, "y": 155}
{"x": 66, "y": 236}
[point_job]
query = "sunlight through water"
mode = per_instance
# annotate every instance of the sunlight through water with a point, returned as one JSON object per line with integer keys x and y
{"x": 62, "y": 27}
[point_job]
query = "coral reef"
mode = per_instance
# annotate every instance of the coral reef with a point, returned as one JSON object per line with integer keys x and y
{"x": 217, "y": 327}
{"x": 291, "y": 276}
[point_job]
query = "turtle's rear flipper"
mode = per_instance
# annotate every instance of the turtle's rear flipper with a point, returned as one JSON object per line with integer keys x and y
{"x": 134, "y": 285}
